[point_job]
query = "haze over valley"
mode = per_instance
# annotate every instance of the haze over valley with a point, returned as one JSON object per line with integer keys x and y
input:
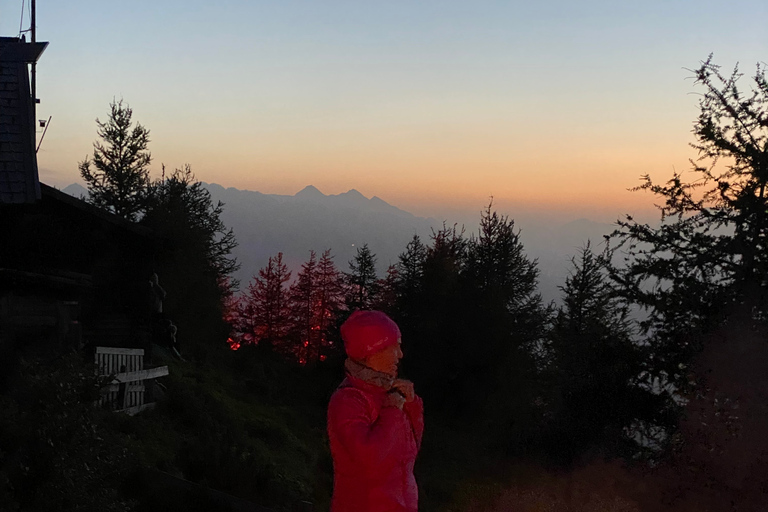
{"x": 265, "y": 224}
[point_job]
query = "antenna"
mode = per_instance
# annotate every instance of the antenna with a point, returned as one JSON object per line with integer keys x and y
{"x": 34, "y": 68}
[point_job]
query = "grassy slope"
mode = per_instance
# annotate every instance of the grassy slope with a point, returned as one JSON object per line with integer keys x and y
{"x": 253, "y": 427}
{"x": 245, "y": 431}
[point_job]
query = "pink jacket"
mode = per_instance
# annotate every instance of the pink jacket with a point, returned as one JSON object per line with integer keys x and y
{"x": 374, "y": 449}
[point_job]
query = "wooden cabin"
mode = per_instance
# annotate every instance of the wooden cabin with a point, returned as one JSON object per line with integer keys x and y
{"x": 72, "y": 276}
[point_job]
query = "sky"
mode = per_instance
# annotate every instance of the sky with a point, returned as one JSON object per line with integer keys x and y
{"x": 433, "y": 106}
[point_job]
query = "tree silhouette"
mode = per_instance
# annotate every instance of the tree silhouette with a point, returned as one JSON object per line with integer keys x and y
{"x": 707, "y": 259}
{"x": 410, "y": 266}
{"x": 596, "y": 366}
{"x": 329, "y": 302}
{"x": 506, "y": 279}
{"x": 120, "y": 174}
{"x": 195, "y": 259}
{"x": 266, "y": 305}
{"x": 388, "y": 289}
{"x": 430, "y": 311}
{"x": 511, "y": 322}
{"x": 181, "y": 205}
{"x": 361, "y": 280}
{"x": 305, "y": 322}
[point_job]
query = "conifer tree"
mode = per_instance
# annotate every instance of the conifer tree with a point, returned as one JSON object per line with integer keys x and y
{"x": 362, "y": 280}
{"x": 410, "y": 267}
{"x": 707, "y": 259}
{"x": 329, "y": 303}
{"x": 181, "y": 208}
{"x": 266, "y": 307}
{"x": 119, "y": 178}
{"x": 434, "y": 317}
{"x": 387, "y": 297}
{"x": 410, "y": 279}
{"x": 595, "y": 365}
{"x": 506, "y": 278}
{"x": 498, "y": 264}
{"x": 510, "y": 321}
{"x": 305, "y": 336}
{"x": 195, "y": 261}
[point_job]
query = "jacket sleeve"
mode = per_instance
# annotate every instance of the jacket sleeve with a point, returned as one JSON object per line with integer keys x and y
{"x": 370, "y": 441}
{"x": 415, "y": 412}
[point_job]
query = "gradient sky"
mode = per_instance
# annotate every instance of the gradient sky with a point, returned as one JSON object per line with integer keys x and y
{"x": 431, "y": 105}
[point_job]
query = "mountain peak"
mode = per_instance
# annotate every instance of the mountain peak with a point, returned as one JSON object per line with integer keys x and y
{"x": 76, "y": 190}
{"x": 309, "y": 192}
{"x": 353, "y": 193}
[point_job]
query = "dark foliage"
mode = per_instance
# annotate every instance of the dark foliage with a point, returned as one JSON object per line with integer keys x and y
{"x": 472, "y": 329}
{"x": 182, "y": 202}
{"x": 57, "y": 450}
{"x": 719, "y": 455}
{"x": 195, "y": 261}
{"x": 596, "y": 365}
{"x": 510, "y": 323}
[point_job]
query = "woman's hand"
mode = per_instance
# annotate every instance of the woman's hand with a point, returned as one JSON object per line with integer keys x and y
{"x": 405, "y": 388}
{"x": 394, "y": 399}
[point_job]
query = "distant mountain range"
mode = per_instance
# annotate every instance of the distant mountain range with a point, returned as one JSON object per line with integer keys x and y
{"x": 265, "y": 224}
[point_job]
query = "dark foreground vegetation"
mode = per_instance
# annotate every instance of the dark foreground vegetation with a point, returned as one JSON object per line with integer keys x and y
{"x": 643, "y": 390}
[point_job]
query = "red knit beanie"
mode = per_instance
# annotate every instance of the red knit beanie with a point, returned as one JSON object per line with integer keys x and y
{"x": 367, "y": 332}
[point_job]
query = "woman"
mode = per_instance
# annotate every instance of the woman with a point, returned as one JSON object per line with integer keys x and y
{"x": 375, "y": 421}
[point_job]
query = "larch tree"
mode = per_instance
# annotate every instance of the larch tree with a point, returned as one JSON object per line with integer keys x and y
{"x": 118, "y": 174}
{"x": 304, "y": 339}
{"x": 266, "y": 305}
{"x": 329, "y": 302}
{"x": 707, "y": 259}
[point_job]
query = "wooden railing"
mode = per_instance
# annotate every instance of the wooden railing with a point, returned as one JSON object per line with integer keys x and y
{"x": 127, "y": 390}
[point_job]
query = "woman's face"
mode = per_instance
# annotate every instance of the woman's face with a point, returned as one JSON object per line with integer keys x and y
{"x": 386, "y": 360}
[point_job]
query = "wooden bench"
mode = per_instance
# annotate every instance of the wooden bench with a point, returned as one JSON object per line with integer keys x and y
{"x": 127, "y": 390}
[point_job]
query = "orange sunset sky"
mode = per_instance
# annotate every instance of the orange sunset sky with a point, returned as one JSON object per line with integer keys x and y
{"x": 432, "y": 106}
